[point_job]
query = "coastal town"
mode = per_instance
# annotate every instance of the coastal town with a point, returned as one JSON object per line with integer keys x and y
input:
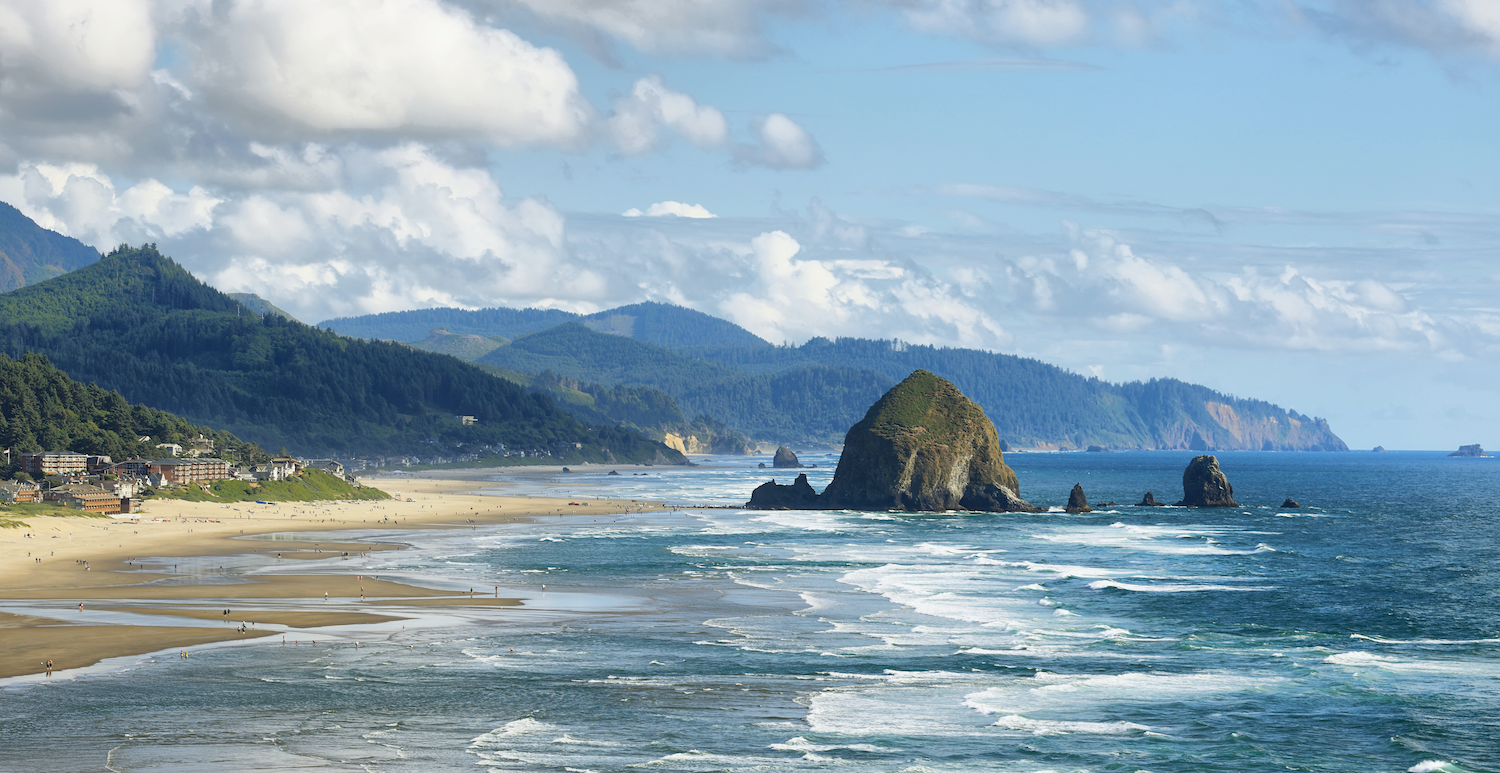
{"x": 98, "y": 484}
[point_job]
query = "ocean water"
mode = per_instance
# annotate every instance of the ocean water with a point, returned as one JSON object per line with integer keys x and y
{"x": 1359, "y": 633}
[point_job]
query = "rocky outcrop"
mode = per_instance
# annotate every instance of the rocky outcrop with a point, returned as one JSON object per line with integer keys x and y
{"x": 1290, "y": 504}
{"x": 1379, "y": 449}
{"x": 1150, "y": 501}
{"x": 922, "y": 447}
{"x": 1474, "y": 451}
{"x": 1204, "y": 485}
{"x": 774, "y": 496}
{"x": 785, "y": 459}
{"x": 1077, "y": 502}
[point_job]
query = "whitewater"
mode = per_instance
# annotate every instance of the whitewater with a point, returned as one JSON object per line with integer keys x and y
{"x": 1358, "y": 633}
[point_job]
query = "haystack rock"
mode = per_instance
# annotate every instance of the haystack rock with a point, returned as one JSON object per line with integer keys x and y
{"x": 1077, "y": 502}
{"x": 1150, "y": 501}
{"x": 785, "y": 459}
{"x": 1203, "y": 485}
{"x": 774, "y": 496}
{"x": 924, "y": 446}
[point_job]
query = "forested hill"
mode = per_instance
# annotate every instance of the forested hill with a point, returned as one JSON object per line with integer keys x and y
{"x": 656, "y": 323}
{"x": 41, "y": 409}
{"x": 817, "y": 391}
{"x": 138, "y": 323}
{"x": 30, "y": 253}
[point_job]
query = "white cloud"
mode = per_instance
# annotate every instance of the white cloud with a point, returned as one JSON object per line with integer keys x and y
{"x": 81, "y": 201}
{"x": 75, "y": 45}
{"x": 782, "y": 143}
{"x": 414, "y": 67}
{"x": 676, "y": 208}
{"x": 639, "y": 117}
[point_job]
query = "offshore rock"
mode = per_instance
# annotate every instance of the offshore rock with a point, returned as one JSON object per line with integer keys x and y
{"x": 774, "y": 496}
{"x": 1474, "y": 451}
{"x": 1203, "y": 485}
{"x": 1289, "y": 504}
{"x": 785, "y": 459}
{"x": 1077, "y": 502}
{"x": 924, "y": 447}
{"x": 1150, "y": 501}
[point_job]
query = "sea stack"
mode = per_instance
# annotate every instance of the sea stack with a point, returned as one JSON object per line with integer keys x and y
{"x": 1077, "y": 502}
{"x": 1150, "y": 501}
{"x": 1203, "y": 485}
{"x": 1289, "y": 504}
{"x": 785, "y": 459}
{"x": 1473, "y": 451}
{"x": 922, "y": 447}
{"x": 774, "y": 496}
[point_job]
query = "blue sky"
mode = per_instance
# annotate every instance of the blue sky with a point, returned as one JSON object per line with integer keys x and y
{"x": 1294, "y": 200}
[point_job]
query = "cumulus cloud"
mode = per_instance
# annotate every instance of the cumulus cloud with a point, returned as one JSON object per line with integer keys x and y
{"x": 639, "y": 117}
{"x": 83, "y": 202}
{"x": 417, "y": 67}
{"x": 781, "y": 143}
{"x": 1033, "y": 22}
{"x": 75, "y": 45}
{"x": 675, "y": 208}
{"x": 1104, "y": 283}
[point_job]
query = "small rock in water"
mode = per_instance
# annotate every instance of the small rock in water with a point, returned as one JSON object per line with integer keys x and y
{"x": 1077, "y": 502}
{"x": 1150, "y": 501}
{"x": 614, "y": 472}
{"x": 785, "y": 459}
{"x": 1289, "y": 504}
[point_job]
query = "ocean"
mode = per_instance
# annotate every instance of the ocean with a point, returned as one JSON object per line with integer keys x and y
{"x": 1358, "y": 633}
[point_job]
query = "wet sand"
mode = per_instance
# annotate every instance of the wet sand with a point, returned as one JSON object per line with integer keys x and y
{"x": 167, "y": 552}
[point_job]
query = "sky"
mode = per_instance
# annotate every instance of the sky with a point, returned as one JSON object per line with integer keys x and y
{"x": 1291, "y": 200}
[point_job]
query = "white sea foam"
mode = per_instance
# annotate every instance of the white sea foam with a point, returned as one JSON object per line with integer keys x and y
{"x": 1428, "y": 766}
{"x": 1380, "y": 640}
{"x": 1047, "y": 727}
{"x": 800, "y": 744}
{"x": 1170, "y": 587}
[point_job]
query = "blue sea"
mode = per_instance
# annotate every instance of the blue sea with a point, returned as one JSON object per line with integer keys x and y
{"x": 1358, "y": 633}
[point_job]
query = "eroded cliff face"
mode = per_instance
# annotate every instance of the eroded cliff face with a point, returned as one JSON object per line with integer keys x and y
{"x": 713, "y": 444}
{"x": 923, "y": 446}
{"x": 1225, "y": 429}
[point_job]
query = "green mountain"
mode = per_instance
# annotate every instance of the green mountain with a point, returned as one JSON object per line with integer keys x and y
{"x": 30, "y": 253}
{"x": 259, "y": 305}
{"x": 656, "y": 323}
{"x": 41, "y": 409}
{"x": 465, "y": 346}
{"x": 812, "y": 402}
{"x": 818, "y": 390}
{"x": 651, "y": 411}
{"x": 138, "y": 323}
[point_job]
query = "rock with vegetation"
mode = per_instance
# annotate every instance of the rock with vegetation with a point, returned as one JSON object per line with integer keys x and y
{"x": 1077, "y": 502}
{"x": 924, "y": 446}
{"x": 1204, "y": 485}
{"x": 1473, "y": 451}
{"x": 771, "y": 495}
{"x": 785, "y": 459}
{"x": 1150, "y": 501}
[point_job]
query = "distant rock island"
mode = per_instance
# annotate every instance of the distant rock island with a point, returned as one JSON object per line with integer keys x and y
{"x": 1379, "y": 450}
{"x": 1473, "y": 451}
{"x": 1204, "y": 485}
{"x": 923, "y": 446}
{"x": 1078, "y": 502}
{"x": 785, "y": 459}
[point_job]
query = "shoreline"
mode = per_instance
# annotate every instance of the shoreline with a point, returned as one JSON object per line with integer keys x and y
{"x": 160, "y": 563}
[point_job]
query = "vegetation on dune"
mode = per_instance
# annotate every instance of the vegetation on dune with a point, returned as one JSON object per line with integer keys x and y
{"x": 310, "y": 486}
{"x": 138, "y": 323}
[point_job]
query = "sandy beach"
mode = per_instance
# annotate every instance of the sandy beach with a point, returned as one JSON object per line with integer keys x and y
{"x": 161, "y": 562}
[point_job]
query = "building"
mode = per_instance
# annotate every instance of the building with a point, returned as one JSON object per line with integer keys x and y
{"x": 15, "y": 492}
{"x": 184, "y": 471}
{"x": 53, "y": 462}
{"x": 103, "y": 502}
{"x": 97, "y": 464}
{"x": 133, "y": 468}
{"x": 327, "y": 465}
{"x": 171, "y": 448}
{"x": 466, "y": 420}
